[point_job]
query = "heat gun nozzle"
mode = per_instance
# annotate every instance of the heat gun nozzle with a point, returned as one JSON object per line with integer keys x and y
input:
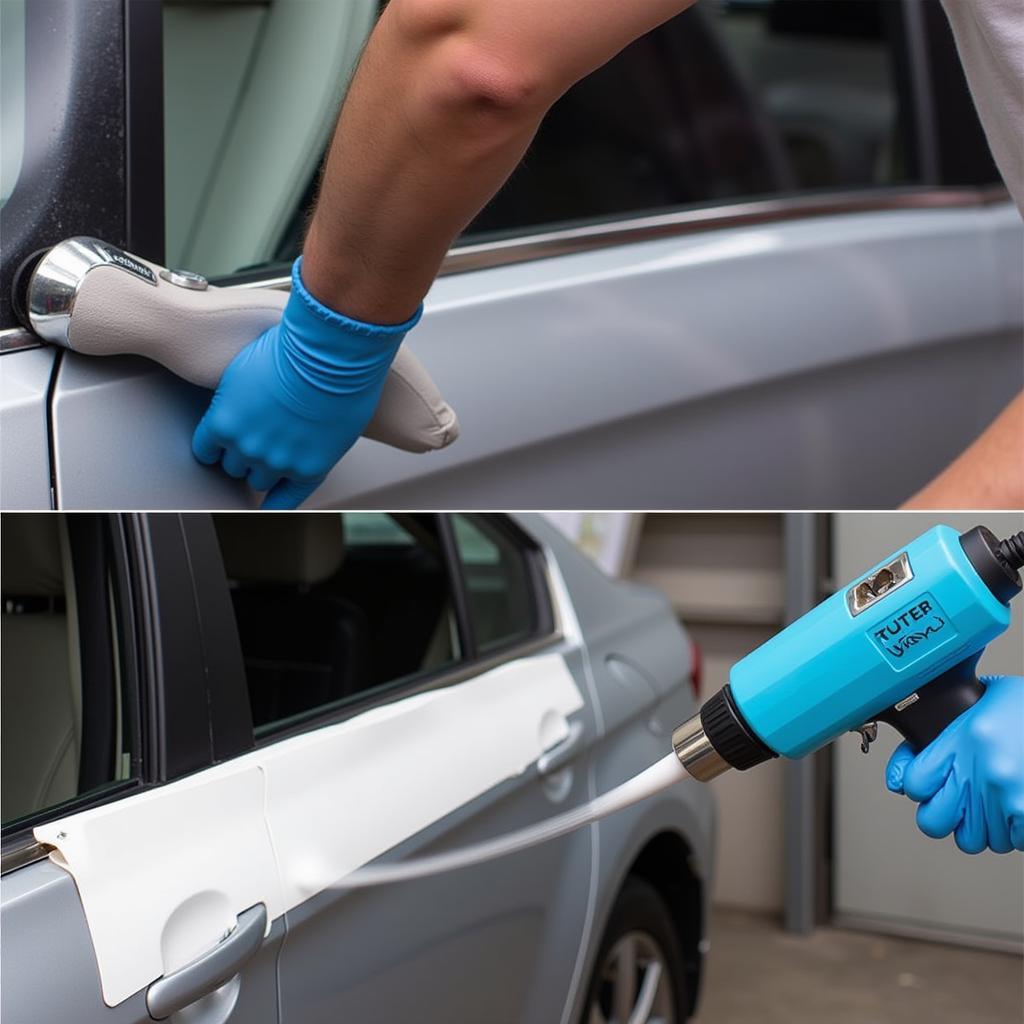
{"x": 696, "y": 752}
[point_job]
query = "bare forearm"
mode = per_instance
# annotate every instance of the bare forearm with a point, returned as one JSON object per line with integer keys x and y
{"x": 989, "y": 474}
{"x": 446, "y": 99}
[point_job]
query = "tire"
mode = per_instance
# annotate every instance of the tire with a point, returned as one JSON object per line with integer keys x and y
{"x": 639, "y": 928}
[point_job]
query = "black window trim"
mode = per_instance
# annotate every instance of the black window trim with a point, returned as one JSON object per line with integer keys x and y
{"x": 158, "y": 626}
{"x": 548, "y": 634}
{"x": 144, "y": 128}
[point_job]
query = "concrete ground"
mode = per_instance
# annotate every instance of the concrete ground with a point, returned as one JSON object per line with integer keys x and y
{"x": 757, "y": 974}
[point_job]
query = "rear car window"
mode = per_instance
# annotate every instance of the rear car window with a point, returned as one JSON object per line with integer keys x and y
{"x": 499, "y": 591}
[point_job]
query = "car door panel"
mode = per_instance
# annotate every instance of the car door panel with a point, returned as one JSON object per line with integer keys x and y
{"x": 510, "y": 924}
{"x": 46, "y": 932}
{"x": 24, "y": 454}
{"x": 738, "y": 359}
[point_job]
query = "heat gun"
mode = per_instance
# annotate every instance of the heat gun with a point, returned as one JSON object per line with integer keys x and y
{"x": 898, "y": 645}
{"x": 93, "y": 297}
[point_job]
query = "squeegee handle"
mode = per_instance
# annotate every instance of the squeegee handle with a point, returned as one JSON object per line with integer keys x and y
{"x": 944, "y": 699}
{"x": 98, "y": 300}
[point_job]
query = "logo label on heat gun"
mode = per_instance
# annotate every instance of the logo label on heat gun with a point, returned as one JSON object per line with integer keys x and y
{"x": 912, "y": 632}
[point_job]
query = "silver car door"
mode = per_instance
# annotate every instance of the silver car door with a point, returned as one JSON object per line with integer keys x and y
{"x": 75, "y": 745}
{"x": 24, "y": 452}
{"x": 395, "y": 717}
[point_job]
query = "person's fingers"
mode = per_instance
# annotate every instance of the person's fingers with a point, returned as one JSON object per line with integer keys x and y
{"x": 971, "y": 834}
{"x": 1017, "y": 831}
{"x": 941, "y": 814}
{"x": 206, "y": 445}
{"x": 897, "y": 767}
{"x": 290, "y": 493}
{"x": 263, "y": 479}
{"x": 925, "y": 775}
{"x": 997, "y": 823}
{"x": 235, "y": 464}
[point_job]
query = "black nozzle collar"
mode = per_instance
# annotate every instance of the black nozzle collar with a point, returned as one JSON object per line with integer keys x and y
{"x": 729, "y": 734}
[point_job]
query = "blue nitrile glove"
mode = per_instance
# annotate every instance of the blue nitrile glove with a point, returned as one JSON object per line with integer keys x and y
{"x": 292, "y": 402}
{"x": 970, "y": 779}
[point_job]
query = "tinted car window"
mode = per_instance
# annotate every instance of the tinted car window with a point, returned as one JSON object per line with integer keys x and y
{"x": 331, "y": 607}
{"x": 499, "y": 591}
{"x": 731, "y": 99}
{"x": 65, "y": 720}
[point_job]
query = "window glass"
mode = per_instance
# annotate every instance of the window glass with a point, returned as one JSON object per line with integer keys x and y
{"x": 498, "y": 588}
{"x": 12, "y": 93}
{"x": 367, "y": 528}
{"x": 64, "y": 722}
{"x": 333, "y": 606}
{"x": 731, "y": 99}
{"x": 251, "y": 91}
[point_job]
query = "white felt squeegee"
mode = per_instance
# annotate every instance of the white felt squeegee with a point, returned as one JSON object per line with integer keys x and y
{"x": 92, "y": 297}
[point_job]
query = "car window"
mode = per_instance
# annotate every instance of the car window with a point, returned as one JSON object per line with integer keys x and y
{"x": 828, "y": 79}
{"x": 732, "y": 99}
{"x": 66, "y": 724}
{"x": 331, "y": 607}
{"x": 499, "y": 591}
{"x": 251, "y": 92}
{"x": 12, "y": 93}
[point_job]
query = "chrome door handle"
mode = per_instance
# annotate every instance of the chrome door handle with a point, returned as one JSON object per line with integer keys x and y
{"x": 562, "y": 753}
{"x": 177, "y": 990}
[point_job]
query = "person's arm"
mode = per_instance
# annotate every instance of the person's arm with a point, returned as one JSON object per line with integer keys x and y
{"x": 989, "y": 474}
{"x": 990, "y": 40}
{"x": 446, "y": 99}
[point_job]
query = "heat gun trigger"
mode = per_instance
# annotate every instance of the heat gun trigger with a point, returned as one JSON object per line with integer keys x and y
{"x": 868, "y": 734}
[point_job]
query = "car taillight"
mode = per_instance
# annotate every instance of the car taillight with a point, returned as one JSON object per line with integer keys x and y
{"x": 696, "y": 667}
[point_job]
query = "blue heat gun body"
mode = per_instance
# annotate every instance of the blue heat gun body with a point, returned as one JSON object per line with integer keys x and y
{"x": 898, "y": 645}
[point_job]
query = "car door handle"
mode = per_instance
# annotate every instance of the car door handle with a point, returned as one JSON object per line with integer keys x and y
{"x": 562, "y": 753}
{"x": 177, "y": 990}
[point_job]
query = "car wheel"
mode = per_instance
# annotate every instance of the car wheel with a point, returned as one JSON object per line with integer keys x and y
{"x": 640, "y": 974}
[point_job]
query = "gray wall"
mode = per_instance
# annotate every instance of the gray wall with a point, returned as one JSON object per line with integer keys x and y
{"x": 724, "y": 574}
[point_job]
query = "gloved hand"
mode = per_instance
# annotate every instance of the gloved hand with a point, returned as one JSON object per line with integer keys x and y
{"x": 293, "y": 401}
{"x": 970, "y": 779}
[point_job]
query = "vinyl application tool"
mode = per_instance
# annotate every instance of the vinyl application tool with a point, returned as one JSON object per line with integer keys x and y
{"x": 92, "y": 297}
{"x": 898, "y": 645}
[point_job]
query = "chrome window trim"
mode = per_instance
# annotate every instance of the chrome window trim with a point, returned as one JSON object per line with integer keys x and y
{"x": 21, "y": 853}
{"x": 677, "y": 223}
{"x": 17, "y": 339}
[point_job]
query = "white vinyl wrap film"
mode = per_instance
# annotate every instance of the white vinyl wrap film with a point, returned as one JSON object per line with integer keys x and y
{"x": 163, "y": 875}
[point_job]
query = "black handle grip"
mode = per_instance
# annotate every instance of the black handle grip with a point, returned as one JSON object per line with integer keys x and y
{"x": 946, "y": 697}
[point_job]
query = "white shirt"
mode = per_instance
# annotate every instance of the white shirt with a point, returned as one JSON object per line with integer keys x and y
{"x": 990, "y": 38}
